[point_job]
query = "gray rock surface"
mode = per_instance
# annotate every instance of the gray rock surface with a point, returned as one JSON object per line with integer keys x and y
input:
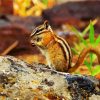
{"x": 21, "y": 81}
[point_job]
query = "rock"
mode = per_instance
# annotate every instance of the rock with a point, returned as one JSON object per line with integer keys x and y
{"x": 21, "y": 81}
{"x": 62, "y": 13}
{"x": 14, "y": 28}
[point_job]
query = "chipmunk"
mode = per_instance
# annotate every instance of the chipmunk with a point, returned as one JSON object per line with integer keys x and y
{"x": 56, "y": 50}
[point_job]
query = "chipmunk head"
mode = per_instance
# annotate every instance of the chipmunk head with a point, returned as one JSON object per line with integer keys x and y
{"x": 42, "y": 35}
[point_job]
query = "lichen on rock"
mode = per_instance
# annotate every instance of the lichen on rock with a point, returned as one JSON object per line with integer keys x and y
{"x": 19, "y": 81}
{"x": 22, "y": 81}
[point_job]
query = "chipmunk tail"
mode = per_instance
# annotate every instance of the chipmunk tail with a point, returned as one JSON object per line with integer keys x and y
{"x": 83, "y": 54}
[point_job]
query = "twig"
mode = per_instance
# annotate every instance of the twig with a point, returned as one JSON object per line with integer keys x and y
{"x": 11, "y": 47}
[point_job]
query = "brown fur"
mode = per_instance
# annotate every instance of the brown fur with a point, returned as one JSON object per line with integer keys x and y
{"x": 55, "y": 49}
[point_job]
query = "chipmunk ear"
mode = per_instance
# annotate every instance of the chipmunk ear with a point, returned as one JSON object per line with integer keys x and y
{"x": 46, "y": 24}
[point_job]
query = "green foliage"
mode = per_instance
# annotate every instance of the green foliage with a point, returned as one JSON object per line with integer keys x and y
{"x": 88, "y": 66}
{"x": 91, "y": 34}
{"x": 88, "y": 27}
{"x": 96, "y": 70}
{"x": 83, "y": 43}
{"x": 79, "y": 35}
{"x": 74, "y": 51}
{"x": 97, "y": 41}
{"x": 45, "y": 2}
{"x": 93, "y": 42}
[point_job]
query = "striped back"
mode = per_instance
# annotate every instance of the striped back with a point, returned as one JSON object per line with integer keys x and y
{"x": 66, "y": 50}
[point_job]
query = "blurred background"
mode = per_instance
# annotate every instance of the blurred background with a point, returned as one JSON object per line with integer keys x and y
{"x": 19, "y": 17}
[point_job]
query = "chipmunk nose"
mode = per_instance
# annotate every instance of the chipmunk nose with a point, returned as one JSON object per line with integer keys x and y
{"x": 33, "y": 44}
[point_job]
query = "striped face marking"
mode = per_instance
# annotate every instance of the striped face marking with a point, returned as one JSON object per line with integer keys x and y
{"x": 41, "y": 29}
{"x": 41, "y": 35}
{"x": 37, "y": 30}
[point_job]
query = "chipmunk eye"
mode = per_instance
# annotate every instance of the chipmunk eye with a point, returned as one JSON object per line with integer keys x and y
{"x": 38, "y": 39}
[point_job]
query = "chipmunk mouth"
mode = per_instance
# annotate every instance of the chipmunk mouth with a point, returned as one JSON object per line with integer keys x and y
{"x": 33, "y": 44}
